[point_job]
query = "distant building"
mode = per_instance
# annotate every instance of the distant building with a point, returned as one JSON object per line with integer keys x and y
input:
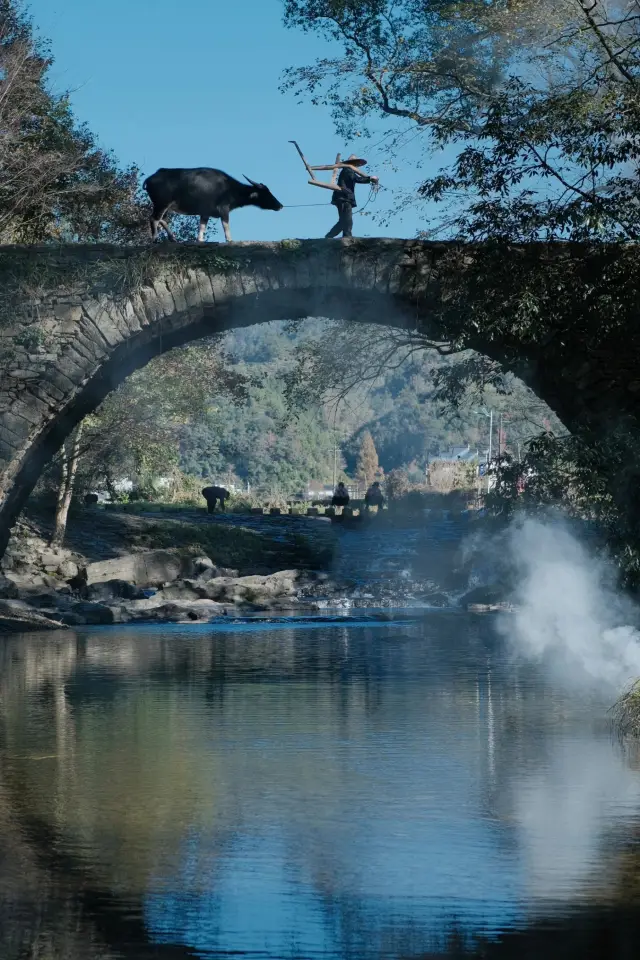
{"x": 455, "y": 454}
{"x": 319, "y": 491}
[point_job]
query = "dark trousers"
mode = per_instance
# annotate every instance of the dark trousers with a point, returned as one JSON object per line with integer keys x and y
{"x": 345, "y": 220}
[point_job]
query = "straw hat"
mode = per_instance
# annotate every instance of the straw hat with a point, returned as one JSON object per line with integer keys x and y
{"x": 356, "y": 161}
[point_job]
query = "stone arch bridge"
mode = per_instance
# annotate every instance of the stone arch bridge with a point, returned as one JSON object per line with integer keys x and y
{"x": 75, "y": 320}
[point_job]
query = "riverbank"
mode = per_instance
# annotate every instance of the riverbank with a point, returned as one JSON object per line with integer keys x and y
{"x": 184, "y": 565}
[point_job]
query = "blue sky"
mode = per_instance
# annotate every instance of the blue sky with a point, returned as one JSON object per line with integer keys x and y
{"x": 195, "y": 83}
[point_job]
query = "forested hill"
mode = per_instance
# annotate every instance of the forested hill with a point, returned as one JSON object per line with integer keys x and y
{"x": 270, "y": 447}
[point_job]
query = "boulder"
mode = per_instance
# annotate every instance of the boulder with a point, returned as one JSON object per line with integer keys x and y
{"x": 200, "y": 611}
{"x": 156, "y": 609}
{"x": 151, "y": 568}
{"x": 51, "y": 600}
{"x": 109, "y": 590}
{"x": 30, "y": 581}
{"x": 213, "y": 572}
{"x": 202, "y": 564}
{"x": 259, "y": 590}
{"x": 50, "y": 559}
{"x": 67, "y": 569}
{"x": 8, "y": 589}
{"x": 16, "y": 616}
{"x": 85, "y": 612}
{"x": 255, "y": 590}
{"x": 184, "y": 590}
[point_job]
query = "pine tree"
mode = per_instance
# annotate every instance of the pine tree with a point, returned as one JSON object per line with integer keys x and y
{"x": 367, "y": 467}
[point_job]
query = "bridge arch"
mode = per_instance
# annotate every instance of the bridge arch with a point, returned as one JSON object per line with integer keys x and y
{"x": 76, "y": 320}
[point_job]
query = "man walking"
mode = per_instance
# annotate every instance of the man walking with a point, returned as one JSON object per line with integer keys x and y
{"x": 344, "y": 198}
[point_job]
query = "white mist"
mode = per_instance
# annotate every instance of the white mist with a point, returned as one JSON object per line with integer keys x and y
{"x": 567, "y": 614}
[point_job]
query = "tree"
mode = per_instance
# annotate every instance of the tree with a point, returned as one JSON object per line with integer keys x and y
{"x": 424, "y": 64}
{"x": 69, "y": 457}
{"x": 368, "y": 467}
{"x": 56, "y": 183}
{"x": 136, "y": 431}
{"x": 545, "y": 133}
{"x": 398, "y": 484}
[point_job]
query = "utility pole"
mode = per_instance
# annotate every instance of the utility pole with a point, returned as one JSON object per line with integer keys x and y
{"x": 335, "y": 461}
{"x": 500, "y": 438}
{"x": 490, "y": 433}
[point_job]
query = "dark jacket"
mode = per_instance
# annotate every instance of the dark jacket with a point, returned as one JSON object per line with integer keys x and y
{"x": 347, "y": 184}
{"x": 215, "y": 493}
{"x": 374, "y": 497}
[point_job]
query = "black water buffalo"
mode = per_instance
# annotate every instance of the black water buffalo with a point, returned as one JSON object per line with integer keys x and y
{"x": 205, "y": 193}
{"x": 212, "y": 495}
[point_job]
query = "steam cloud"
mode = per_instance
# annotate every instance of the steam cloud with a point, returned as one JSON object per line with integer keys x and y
{"x": 568, "y": 613}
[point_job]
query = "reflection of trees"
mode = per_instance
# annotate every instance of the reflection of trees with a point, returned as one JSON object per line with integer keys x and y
{"x": 138, "y": 754}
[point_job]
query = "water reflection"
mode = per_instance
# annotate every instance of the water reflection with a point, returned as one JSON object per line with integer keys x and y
{"x": 353, "y": 792}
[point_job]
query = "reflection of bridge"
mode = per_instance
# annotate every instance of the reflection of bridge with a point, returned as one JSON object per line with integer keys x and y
{"x": 76, "y": 320}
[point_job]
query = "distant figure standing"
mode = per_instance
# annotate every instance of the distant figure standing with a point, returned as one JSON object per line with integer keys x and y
{"x": 373, "y": 497}
{"x": 344, "y": 198}
{"x": 340, "y": 496}
{"x": 214, "y": 494}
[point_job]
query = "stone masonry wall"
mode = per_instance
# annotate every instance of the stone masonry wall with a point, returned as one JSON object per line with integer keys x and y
{"x": 76, "y": 319}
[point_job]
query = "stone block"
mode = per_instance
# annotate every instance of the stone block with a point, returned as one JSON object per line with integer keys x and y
{"x": 150, "y": 568}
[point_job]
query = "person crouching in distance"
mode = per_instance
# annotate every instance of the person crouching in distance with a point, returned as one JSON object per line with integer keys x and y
{"x": 340, "y": 496}
{"x": 214, "y": 495}
{"x": 344, "y": 197}
{"x": 373, "y": 497}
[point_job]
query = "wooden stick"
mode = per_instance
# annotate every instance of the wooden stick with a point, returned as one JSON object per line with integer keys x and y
{"x": 334, "y": 175}
{"x": 336, "y": 166}
{"x": 303, "y": 158}
{"x": 320, "y": 183}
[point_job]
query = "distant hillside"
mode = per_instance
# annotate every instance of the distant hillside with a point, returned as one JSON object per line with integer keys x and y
{"x": 265, "y": 445}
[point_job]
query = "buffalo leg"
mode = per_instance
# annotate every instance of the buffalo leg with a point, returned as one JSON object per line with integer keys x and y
{"x": 203, "y": 226}
{"x": 157, "y": 220}
{"x": 225, "y": 227}
{"x": 165, "y": 225}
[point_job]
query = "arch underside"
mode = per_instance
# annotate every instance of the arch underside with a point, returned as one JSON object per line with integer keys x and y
{"x": 355, "y": 305}
{"x": 97, "y": 334}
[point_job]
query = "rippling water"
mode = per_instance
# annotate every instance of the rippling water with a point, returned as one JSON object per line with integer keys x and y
{"x": 321, "y": 791}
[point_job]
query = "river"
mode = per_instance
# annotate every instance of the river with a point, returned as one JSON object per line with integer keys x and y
{"x": 347, "y": 790}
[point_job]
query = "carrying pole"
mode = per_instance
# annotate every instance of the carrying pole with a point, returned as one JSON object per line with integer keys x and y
{"x": 334, "y": 167}
{"x": 303, "y": 158}
{"x": 334, "y": 175}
